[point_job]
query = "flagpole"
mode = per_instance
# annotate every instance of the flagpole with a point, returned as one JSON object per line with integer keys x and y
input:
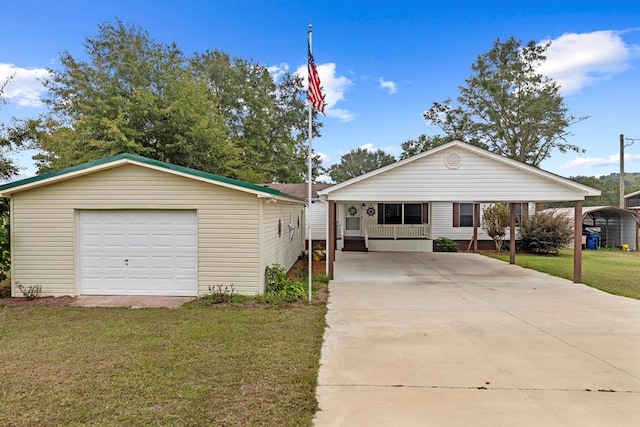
{"x": 309, "y": 184}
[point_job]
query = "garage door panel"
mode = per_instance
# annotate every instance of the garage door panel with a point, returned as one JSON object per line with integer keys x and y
{"x": 138, "y": 252}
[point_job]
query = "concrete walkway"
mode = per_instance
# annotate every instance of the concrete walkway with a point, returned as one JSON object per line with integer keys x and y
{"x": 131, "y": 301}
{"x": 443, "y": 339}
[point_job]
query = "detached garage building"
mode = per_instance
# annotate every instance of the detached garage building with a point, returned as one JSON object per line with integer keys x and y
{"x": 128, "y": 225}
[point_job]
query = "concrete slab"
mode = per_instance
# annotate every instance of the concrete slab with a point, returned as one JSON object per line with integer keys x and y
{"x": 130, "y": 301}
{"x": 461, "y": 339}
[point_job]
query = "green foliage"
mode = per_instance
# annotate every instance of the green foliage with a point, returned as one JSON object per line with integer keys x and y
{"x": 507, "y": 106}
{"x": 424, "y": 143}
{"x": 495, "y": 221}
{"x": 321, "y": 278}
{"x": 30, "y": 292}
{"x": 358, "y": 162}
{"x": 7, "y": 166}
{"x": 444, "y": 244}
{"x": 219, "y": 294}
{"x": 545, "y": 233}
{"x": 280, "y": 288}
{"x": 131, "y": 93}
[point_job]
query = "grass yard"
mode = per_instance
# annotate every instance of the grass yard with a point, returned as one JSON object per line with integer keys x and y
{"x": 190, "y": 366}
{"x": 611, "y": 271}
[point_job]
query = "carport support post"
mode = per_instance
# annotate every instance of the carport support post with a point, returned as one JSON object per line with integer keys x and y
{"x": 512, "y": 233}
{"x": 331, "y": 249}
{"x": 577, "y": 242}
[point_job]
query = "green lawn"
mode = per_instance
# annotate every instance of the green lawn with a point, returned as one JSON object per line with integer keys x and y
{"x": 611, "y": 271}
{"x": 190, "y": 366}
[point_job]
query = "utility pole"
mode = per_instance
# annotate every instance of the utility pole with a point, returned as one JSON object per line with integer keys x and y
{"x": 622, "y": 171}
{"x": 622, "y": 146}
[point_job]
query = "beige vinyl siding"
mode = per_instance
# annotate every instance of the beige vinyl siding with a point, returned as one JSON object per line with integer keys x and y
{"x": 44, "y": 225}
{"x": 280, "y": 249}
{"x": 478, "y": 178}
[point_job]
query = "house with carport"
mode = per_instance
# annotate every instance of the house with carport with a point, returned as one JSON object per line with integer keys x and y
{"x": 439, "y": 193}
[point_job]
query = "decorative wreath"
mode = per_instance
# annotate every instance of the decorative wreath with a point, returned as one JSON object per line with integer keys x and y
{"x": 371, "y": 211}
{"x": 353, "y": 211}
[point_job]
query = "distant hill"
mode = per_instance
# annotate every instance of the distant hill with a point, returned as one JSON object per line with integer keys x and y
{"x": 609, "y": 185}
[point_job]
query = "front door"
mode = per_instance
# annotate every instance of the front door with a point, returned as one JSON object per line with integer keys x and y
{"x": 352, "y": 221}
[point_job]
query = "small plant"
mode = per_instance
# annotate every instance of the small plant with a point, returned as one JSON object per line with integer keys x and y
{"x": 495, "y": 221}
{"x": 322, "y": 278}
{"x": 219, "y": 294}
{"x": 30, "y": 292}
{"x": 444, "y": 244}
{"x": 279, "y": 286}
{"x": 318, "y": 253}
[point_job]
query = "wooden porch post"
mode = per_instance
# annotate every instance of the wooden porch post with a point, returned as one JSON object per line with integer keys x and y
{"x": 331, "y": 249}
{"x": 577, "y": 242}
{"x": 476, "y": 224}
{"x": 512, "y": 233}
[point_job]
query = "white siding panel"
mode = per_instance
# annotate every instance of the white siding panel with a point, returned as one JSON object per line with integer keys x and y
{"x": 478, "y": 179}
{"x": 44, "y": 224}
{"x": 319, "y": 220}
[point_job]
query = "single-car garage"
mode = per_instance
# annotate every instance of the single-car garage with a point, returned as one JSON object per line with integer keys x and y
{"x": 138, "y": 252}
{"x": 129, "y": 225}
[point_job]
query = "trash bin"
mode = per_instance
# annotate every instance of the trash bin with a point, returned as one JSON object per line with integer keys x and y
{"x": 592, "y": 241}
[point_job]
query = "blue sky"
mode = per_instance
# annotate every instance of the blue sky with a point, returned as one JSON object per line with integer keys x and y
{"x": 381, "y": 63}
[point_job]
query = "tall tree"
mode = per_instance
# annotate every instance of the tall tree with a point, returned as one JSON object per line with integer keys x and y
{"x": 411, "y": 147}
{"x": 266, "y": 120}
{"x": 134, "y": 94}
{"x": 7, "y": 166}
{"x": 509, "y": 107}
{"x": 357, "y": 162}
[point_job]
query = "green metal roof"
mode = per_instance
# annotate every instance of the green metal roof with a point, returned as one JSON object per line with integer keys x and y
{"x": 144, "y": 160}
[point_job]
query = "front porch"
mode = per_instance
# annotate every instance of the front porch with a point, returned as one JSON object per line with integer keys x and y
{"x": 383, "y": 227}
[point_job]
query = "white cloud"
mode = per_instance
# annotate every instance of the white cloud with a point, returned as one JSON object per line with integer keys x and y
{"x": 333, "y": 87}
{"x": 324, "y": 157}
{"x": 367, "y": 147}
{"x": 585, "y": 162}
{"x": 577, "y": 60}
{"x": 277, "y": 71}
{"x": 25, "y": 88}
{"x": 392, "y": 87}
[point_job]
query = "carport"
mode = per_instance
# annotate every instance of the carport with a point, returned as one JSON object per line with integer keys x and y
{"x": 421, "y": 198}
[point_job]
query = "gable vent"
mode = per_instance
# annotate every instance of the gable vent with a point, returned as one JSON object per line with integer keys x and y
{"x": 453, "y": 160}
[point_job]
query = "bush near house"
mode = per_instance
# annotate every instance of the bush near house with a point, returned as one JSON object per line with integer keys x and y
{"x": 545, "y": 233}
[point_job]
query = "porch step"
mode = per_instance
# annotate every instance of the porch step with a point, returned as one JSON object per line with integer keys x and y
{"x": 354, "y": 244}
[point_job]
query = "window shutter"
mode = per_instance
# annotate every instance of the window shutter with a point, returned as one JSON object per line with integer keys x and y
{"x": 525, "y": 211}
{"x": 380, "y": 213}
{"x": 456, "y": 214}
{"x": 425, "y": 213}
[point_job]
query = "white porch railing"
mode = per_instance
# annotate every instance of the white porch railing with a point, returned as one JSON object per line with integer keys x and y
{"x": 397, "y": 231}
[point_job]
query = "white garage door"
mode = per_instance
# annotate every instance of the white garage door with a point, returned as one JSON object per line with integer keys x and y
{"x": 137, "y": 252}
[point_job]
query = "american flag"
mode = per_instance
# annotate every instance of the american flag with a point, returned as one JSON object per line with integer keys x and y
{"x": 315, "y": 93}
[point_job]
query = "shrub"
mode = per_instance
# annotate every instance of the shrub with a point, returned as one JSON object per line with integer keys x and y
{"x": 545, "y": 233}
{"x": 219, "y": 294}
{"x": 444, "y": 244}
{"x": 495, "y": 220}
{"x": 279, "y": 286}
{"x": 30, "y": 292}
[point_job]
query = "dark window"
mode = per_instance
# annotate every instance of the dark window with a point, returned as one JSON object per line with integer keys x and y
{"x": 466, "y": 215}
{"x": 393, "y": 213}
{"x": 413, "y": 213}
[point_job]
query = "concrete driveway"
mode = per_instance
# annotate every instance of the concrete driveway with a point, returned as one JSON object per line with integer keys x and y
{"x": 447, "y": 339}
